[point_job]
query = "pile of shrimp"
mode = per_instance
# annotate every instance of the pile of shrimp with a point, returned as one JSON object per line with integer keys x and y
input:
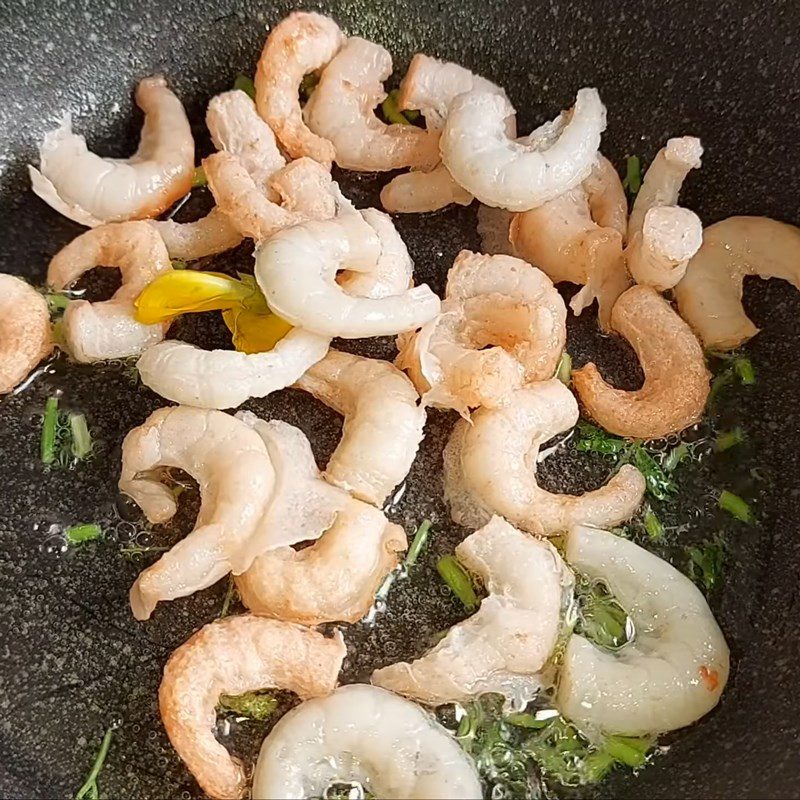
{"x": 552, "y": 209}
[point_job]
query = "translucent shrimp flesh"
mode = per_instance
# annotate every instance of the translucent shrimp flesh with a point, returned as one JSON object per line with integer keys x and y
{"x": 418, "y": 192}
{"x": 232, "y": 656}
{"x": 363, "y": 735}
{"x": 503, "y": 646}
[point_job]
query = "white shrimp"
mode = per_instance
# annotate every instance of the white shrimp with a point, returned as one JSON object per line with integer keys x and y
{"x": 108, "y": 329}
{"x": 232, "y": 656}
{"x": 342, "y": 110}
{"x": 187, "y": 241}
{"x": 710, "y": 294}
{"x": 507, "y": 642}
{"x": 92, "y": 190}
{"x": 383, "y": 424}
{"x": 519, "y": 174}
{"x": 418, "y": 192}
{"x": 502, "y": 325}
{"x": 301, "y": 43}
{"x": 236, "y": 477}
{"x": 25, "y": 337}
{"x": 296, "y": 269}
{"x": 364, "y": 735}
{"x": 662, "y": 237}
{"x": 490, "y": 467}
{"x": 187, "y": 374}
{"x": 676, "y": 667}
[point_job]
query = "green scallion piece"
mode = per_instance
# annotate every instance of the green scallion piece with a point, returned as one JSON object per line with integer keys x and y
{"x": 728, "y": 439}
{"x": 80, "y": 534}
{"x": 254, "y": 705}
{"x": 456, "y": 577}
{"x": 735, "y": 506}
{"x": 675, "y": 456}
{"x": 418, "y": 543}
{"x": 81, "y": 438}
{"x": 244, "y": 83}
{"x": 90, "y": 789}
{"x": 393, "y": 114}
{"x": 743, "y": 368}
{"x": 230, "y": 594}
{"x": 524, "y": 719}
{"x": 633, "y": 175}
{"x": 56, "y": 302}
{"x": 199, "y": 177}
{"x": 49, "y": 431}
{"x": 652, "y": 525}
{"x": 564, "y": 371}
{"x": 628, "y": 750}
{"x": 177, "y": 263}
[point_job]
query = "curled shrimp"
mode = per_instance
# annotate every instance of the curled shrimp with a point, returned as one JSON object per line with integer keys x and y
{"x": 301, "y": 43}
{"x": 662, "y": 236}
{"x": 676, "y": 381}
{"x": 519, "y": 174}
{"x": 675, "y": 668}
{"x": 296, "y": 269}
{"x": 507, "y": 642}
{"x": 25, "y": 337}
{"x": 341, "y": 110}
{"x": 107, "y": 329}
{"x": 383, "y": 425}
{"x": 418, "y": 192}
{"x": 710, "y": 294}
{"x": 231, "y": 464}
{"x": 232, "y": 656}
{"x": 92, "y": 190}
{"x": 502, "y": 324}
{"x": 490, "y": 467}
{"x": 362, "y": 734}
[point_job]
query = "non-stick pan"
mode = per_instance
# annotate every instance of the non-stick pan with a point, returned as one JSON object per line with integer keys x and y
{"x": 73, "y": 659}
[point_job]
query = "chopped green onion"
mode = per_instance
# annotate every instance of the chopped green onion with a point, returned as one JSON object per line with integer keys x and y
{"x": 80, "y": 534}
{"x": 244, "y": 83}
{"x": 633, "y": 175}
{"x": 653, "y": 526}
{"x": 81, "y": 438}
{"x": 675, "y": 456}
{"x": 728, "y": 439}
{"x": 177, "y": 263}
{"x": 706, "y": 563}
{"x": 735, "y": 506}
{"x": 456, "y": 577}
{"x": 525, "y": 719}
{"x": 255, "y": 705}
{"x": 725, "y": 378}
{"x": 393, "y": 114}
{"x": 57, "y": 302}
{"x": 601, "y": 618}
{"x": 628, "y": 750}
{"x": 308, "y": 84}
{"x": 659, "y": 484}
{"x": 420, "y": 538}
{"x": 230, "y": 593}
{"x": 743, "y": 368}
{"x": 90, "y": 789}
{"x": 592, "y": 439}
{"x": 564, "y": 370}
{"x": 49, "y": 431}
{"x": 199, "y": 177}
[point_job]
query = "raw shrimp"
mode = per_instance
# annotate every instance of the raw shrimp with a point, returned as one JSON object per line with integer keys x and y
{"x": 507, "y": 642}
{"x": 236, "y": 477}
{"x": 676, "y": 667}
{"x": 301, "y": 43}
{"x": 513, "y": 174}
{"x": 187, "y": 374}
{"x": 364, "y": 735}
{"x": 107, "y": 329}
{"x": 418, "y": 192}
{"x": 676, "y": 381}
{"x": 710, "y": 294}
{"x": 662, "y": 237}
{"x": 383, "y": 424}
{"x": 501, "y": 325}
{"x": 296, "y": 269}
{"x": 490, "y": 467}
{"x": 92, "y": 190}
{"x": 342, "y": 110}
{"x": 232, "y": 656}
{"x": 25, "y": 337}
{"x": 187, "y": 241}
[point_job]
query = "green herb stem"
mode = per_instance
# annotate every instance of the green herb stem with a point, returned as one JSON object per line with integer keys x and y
{"x": 81, "y": 438}
{"x": 460, "y": 583}
{"x": 90, "y": 790}
{"x": 735, "y": 506}
{"x": 706, "y": 563}
{"x": 652, "y": 525}
{"x": 728, "y": 439}
{"x": 244, "y": 83}
{"x": 199, "y": 178}
{"x": 49, "y": 430}
{"x": 743, "y": 368}
{"x": 633, "y": 175}
{"x": 564, "y": 370}
{"x": 418, "y": 543}
{"x": 230, "y": 594}
{"x": 178, "y": 263}
{"x": 80, "y": 534}
{"x": 675, "y": 456}
{"x": 255, "y": 705}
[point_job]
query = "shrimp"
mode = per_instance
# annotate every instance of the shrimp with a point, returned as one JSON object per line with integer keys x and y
{"x": 341, "y": 110}
{"x": 296, "y": 269}
{"x": 418, "y": 192}
{"x": 710, "y": 294}
{"x": 92, "y": 190}
{"x": 107, "y": 329}
{"x": 676, "y": 667}
{"x": 233, "y": 656}
{"x": 662, "y": 237}
{"x": 187, "y": 241}
{"x": 502, "y": 324}
{"x": 362, "y": 734}
{"x": 519, "y": 175}
{"x": 383, "y": 424}
{"x": 231, "y": 464}
{"x": 187, "y": 374}
{"x": 301, "y": 43}
{"x": 490, "y": 467}
{"x": 676, "y": 381}
{"x": 25, "y": 337}
{"x": 507, "y": 642}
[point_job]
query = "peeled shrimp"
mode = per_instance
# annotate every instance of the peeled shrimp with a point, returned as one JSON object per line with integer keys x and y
{"x": 710, "y": 294}
{"x": 24, "y": 331}
{"x": 662, "y": 237}
{"x": 501, "y": 325}
{"x": 230, "y": 463}
{"x": 232, "y": 656}
{"x": 490, "y": 467}
{"x": 383, "y": 424}
{"x": 507, "y": 642}
{"x": 361, "y": 734}
{"x": 676, "y": 667}
{"x": 107, "y": 329}
{"x": 342, "y": 107}
{"x": 187, "y": 241}
{"x": 296, "y": 269}
{"x": 676, "y": 381}
{"x": 513, "y": 174}
{"x": 92, "y": 190}
{"x": 301, "y": 43}
{"x": 418, "y": 192}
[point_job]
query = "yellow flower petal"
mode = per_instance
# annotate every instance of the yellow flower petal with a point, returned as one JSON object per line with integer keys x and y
{"x": 255, "y": 332}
